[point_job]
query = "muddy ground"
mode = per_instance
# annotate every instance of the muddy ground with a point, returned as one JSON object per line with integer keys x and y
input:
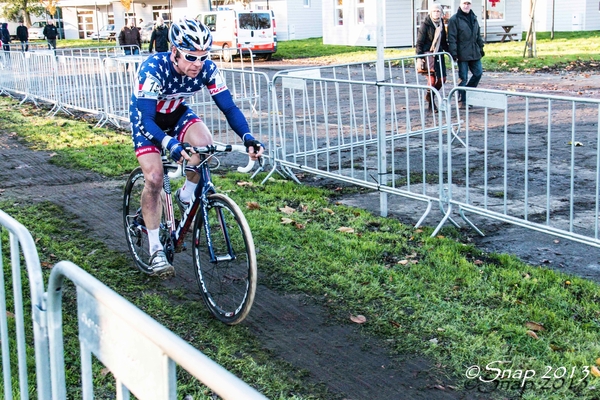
{"x": 294, "y": 326}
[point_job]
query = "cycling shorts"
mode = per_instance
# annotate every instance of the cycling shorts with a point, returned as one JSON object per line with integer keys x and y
{"x": 174, "y": 124}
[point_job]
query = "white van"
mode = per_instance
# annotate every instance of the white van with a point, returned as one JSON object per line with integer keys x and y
{"x": 254, "y": 30}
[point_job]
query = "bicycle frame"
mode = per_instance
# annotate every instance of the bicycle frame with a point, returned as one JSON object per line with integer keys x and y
{"x": 199, "y": 200}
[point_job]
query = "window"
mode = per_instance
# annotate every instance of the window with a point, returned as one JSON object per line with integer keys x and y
{"x": 495, "y": 9}
{"x": 210, "y": 20}
{"x": 254, "y": 21}
{"x": 160, "y": 11}
{"x": 339, "y": 12}
{"x": 360, "y": 12}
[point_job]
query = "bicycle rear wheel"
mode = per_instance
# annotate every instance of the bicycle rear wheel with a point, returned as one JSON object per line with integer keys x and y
{"x": 133, "y": 223}
{"x": 227, "y": 274}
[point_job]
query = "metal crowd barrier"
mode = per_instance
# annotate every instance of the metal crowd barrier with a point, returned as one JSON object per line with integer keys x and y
{"x": 120, "y": 76}
{"x": 326, "y": 121}
{"x": 141, "y": 354}
{"x": 517, "y": 153}
{"x": 31, "y": 46}
{"x": 14, "y": 331}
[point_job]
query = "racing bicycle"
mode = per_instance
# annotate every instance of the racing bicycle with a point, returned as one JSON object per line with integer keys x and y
{"x": 222, "y": 247}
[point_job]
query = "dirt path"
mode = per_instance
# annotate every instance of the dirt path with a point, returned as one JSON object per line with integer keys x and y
{"x": 295, "y": 327}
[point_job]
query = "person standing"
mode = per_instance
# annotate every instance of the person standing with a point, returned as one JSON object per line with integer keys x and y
{"x": 159, "y": 39}
{"x": 5, "y": 37}
{"x": 51, "y": 33}
{"x": 432, "y": 38}
{"x": 23, "y": 36}
{"x": 466, "y": 46}
{"x": 130, "y": 39}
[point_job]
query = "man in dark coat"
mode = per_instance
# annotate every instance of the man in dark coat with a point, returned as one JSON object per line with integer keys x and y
{"x": 23, "y": 36}
{"x": 5, "y": 37}
{"x": 159, "y": 39}
{"x": 466, "y": 45}
{"x": 51, "y": 33}
{"x": 130, "y": 39}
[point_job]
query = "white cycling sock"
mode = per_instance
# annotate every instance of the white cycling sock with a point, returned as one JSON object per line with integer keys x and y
{"x": 185, "y": 194}
{"x": 154, "y": 241}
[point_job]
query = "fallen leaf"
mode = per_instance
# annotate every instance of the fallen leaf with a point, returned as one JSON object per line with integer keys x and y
{"x": 477, "y": 262}
{"x": 418, "y": 230}
{"x": 287, "y": 210}
{"x": 595, "y": 371}
{"x": 359, "y": 319}
{"x": 329, "y": 210}
{"x": 567, "y": 282}
{"x": 403, "y": 262}
{"x": 104, "y": 371}
{"x": 598, "y": 361}
{"x": 434, "y": 340}
{"x": 303, "y": 208}
{"x": 300, "y": 226}
{"x": 576, "y": 144}
{"x": 286, "y": 221}
{"x": 395, "y": 324}
{"x": 9, "y": 314}
{"x": 252, "y": 205}
{"x": 46, "y": 264}
{"x": 534, "y": 326}
{"x": 532, "y": 334}
{"x": 346, "y": 229}
{"x": 440, "y": 236}
{"x": 243, "y": 183}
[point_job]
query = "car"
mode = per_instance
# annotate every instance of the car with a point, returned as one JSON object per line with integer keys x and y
{"x": 36, "y": 31}
{"x": 107, "y": 32}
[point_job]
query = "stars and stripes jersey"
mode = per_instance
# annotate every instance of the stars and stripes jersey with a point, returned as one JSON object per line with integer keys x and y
{"x": 161, "y": 92}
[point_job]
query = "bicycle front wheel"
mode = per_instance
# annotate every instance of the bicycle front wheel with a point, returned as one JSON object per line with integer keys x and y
{"x": 225, "y": 260}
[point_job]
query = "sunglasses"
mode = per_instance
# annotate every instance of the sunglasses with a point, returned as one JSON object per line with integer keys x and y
{"x": 192, "y": 58}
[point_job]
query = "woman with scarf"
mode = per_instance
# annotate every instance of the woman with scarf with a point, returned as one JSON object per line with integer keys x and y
{"x": 432, "y": 38}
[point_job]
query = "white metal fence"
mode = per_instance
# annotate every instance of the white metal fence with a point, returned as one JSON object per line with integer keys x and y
{"x": 140, "y": 353}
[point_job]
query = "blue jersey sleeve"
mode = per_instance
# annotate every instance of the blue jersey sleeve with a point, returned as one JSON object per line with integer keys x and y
{"x": 234, "y": 115}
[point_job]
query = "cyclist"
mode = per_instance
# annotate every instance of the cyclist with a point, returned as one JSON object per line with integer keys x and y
{"x": 160, "y": 118}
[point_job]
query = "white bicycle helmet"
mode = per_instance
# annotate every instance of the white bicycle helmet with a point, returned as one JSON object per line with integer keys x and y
{"x": 190, "y": 35}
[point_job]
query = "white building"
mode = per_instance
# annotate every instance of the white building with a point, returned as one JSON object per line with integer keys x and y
{"x": 563, "y": 16}
{"x": 295, "y": 19}
{"x": 354, "y": 22}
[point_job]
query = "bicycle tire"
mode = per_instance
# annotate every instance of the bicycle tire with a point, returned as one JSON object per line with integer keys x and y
{"x": 227, "y": 284}
{"x": 135, "y": 231}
